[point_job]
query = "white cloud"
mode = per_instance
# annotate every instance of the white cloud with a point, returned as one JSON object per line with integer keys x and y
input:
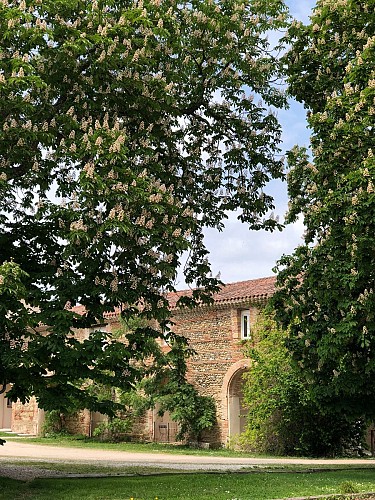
{"x": 239, "y": 254}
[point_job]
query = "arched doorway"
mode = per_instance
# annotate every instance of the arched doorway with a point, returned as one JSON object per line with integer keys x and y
{"x": 234, "y": 412}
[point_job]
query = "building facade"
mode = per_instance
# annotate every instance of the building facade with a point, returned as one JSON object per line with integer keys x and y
{"x": 217, "y": 334}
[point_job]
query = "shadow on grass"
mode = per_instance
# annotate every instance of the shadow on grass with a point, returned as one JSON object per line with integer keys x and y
{"x": 202, "y": 486}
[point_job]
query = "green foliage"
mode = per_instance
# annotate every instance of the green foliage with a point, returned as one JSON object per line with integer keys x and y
{"x": 273, "y": 392}
{"x": 326, "y": 288}
{"x": 282, "y": 417}
{"x": 15, "y": 318}
{"x": 125, "y": 130}
{"x": 54, "y": 424}
{"x": 169, "y": 390}
{"x": 349, "y": 487}
{"x": 136, "y": 401}
{"x": 193, "y": 412}
{"x": 115, "y": 429}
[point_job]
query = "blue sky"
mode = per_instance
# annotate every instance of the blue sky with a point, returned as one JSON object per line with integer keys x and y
{"x": 239, "y": 254}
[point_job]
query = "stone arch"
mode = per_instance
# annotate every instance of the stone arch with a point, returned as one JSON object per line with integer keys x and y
{"x": 232, "y": 395}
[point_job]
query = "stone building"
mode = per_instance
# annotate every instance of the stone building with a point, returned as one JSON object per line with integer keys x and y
{"x": 216, "y": 333}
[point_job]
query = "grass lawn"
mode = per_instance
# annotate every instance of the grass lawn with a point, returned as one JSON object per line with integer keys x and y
{"x": 217, "y": 486}
{"x": 148, "y": 483}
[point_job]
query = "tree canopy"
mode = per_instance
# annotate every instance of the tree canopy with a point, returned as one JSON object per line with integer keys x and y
{"x": 326, "y": 288}
{"x": 126, "y": 128}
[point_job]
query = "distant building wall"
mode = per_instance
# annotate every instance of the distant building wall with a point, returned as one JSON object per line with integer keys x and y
{"x": 25, "y": 417}
{"x": 214, "y": 333}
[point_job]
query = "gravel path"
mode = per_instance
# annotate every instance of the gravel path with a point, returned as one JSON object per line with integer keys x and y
{"x": 25, "y": 473}
{"x": 16, "y": 451}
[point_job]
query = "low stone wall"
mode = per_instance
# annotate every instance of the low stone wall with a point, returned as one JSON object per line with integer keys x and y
{"x": 26, "y": 418}
{"x": 79, "y": 423}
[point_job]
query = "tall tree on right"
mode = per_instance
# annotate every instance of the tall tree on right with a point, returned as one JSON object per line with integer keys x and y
{"x": 326, "y": 288}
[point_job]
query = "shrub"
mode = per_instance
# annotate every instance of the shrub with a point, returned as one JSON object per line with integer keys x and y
{"x": 193, "y": 412}
{"x": 115, "y": 429}
{"x": 348, "y": 487}
{"x": 54, "y": 423}
{"x": 283, "y": 417}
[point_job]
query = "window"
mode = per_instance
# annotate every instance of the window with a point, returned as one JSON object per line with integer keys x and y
{"x": 245, "y": 324}
{"x": 9, "y": 403}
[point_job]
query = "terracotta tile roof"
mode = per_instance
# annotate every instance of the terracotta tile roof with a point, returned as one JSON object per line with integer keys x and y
{"x": 261, "y": 288}
{"x": 258, "y": 289}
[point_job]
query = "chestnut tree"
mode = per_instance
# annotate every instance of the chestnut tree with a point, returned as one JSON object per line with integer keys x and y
{"x": 126, "y": 128}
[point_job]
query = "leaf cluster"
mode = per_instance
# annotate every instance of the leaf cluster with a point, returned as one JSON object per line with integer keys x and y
{"x": 126, "y": 128}
{"x": 283, "y": 417}
{"x": 326, "y": 287}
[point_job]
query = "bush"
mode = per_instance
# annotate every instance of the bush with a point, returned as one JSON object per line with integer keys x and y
{"x": 283, "y": 417}
{"x": 54, "y": 424}
{"x": 115, "y": 429}
{"x": 349, "y": 487}
{"x": 193, "y": 412}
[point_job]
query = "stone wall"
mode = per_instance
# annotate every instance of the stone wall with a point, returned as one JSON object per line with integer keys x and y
{"x": 79, "y": 423}
{"x": 215, "y": 334}
{"x": 26, "y": 417}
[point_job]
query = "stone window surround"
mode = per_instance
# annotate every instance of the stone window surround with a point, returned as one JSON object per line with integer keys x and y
{"x": 245, "y": 324}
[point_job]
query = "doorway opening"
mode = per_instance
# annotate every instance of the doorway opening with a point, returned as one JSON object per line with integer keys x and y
{"x": 237, "y": 413}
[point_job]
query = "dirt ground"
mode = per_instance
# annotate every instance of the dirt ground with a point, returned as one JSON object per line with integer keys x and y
{"x": 36, "y": 452}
